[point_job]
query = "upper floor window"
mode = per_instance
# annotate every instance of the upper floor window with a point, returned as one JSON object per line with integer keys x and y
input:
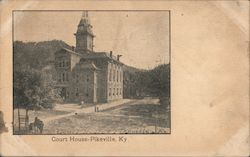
{"x": 87, "y": 78}
{"x": 117, "y": 77}
{"x": 63, "y": 63}
{"x": 67, "y": 63}
{"x": 114, "y": 75}
{"x": 121, "y": 76}
{"x": 110, "y": 75}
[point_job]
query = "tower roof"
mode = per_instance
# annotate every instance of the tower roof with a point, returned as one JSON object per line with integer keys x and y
{"x": 84, "y": 25}
{"x": 84, "y": 19}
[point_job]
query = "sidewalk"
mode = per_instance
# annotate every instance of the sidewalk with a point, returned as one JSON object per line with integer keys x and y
{"x": 76, "y": 109}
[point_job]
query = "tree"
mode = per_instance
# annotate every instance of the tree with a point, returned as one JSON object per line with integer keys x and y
{"x": 155, "y": 82}
{"x": 33, "y": 91}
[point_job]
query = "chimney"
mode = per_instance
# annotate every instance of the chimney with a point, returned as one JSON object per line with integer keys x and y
{"x": 111, "y": 53}
{"x": 72, "y": 48}
{"x": 118, "y": 57}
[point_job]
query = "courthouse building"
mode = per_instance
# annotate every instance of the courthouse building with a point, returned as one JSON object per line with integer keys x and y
{"x": 85, "y": 75}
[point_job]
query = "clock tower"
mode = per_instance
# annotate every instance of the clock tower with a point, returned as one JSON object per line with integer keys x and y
{"x": 84, "y": 35}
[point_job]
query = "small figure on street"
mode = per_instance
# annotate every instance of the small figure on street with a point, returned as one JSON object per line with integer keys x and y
{"x": 36, "y": 126}
{"x": 96, "y": 108}
{"x": 82, "y": 104}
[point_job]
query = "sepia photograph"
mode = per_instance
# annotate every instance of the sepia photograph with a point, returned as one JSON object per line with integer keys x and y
{"x": 124, "y": 78}
{"x": 91, "y": 72}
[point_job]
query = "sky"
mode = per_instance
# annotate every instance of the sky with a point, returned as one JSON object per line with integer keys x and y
{"x": 142, "y": 37}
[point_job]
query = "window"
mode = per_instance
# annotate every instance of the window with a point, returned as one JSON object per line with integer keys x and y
{"x": 109, "y": 91}
{"x": 120, "y": 76}
{"x": 63, "y": 77}
{"x": 117, "y": 76}
{"x": 113, "y": 91}
{"x": 87, "y": 78}
{"x": 67, "y": 77}
{"x": 63, "y": 64}
{"x": 120, "y": 91}
{"x": 77, "y": 92}
{"x": 110, "y": 74}
{"x": 77, "y": 78}
{"x": 87, "y": 91}
{"x": 114, "y": 75}
{"x": 59, "y": 78}
{"x": 67, "y": 63}
{"x": 117, "y": 92}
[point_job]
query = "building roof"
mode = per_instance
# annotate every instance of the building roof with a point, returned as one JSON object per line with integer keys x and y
{"x": 68, "y": 50}
{"x": 97, "y": 55}
{"x": 88, "y": 65}
{"x": 93, "y": 55}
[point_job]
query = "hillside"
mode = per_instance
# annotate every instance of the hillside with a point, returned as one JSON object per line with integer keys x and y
{"x": 35, "y": 54}
{"x": 40, "y": 56}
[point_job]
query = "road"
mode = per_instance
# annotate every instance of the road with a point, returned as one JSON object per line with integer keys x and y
{"x": 137, "y": 116}
{"x": 77, "y": 109}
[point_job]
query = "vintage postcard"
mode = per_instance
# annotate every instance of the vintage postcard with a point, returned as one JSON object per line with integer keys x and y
{"x": 124, "y": 78}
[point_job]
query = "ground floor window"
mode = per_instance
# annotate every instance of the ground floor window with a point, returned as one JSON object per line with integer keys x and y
{"x": 109, "y": 91}
{"x": 77, "y": 92}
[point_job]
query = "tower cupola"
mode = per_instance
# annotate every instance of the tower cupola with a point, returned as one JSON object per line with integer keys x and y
{"x": 84, "y": 35}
